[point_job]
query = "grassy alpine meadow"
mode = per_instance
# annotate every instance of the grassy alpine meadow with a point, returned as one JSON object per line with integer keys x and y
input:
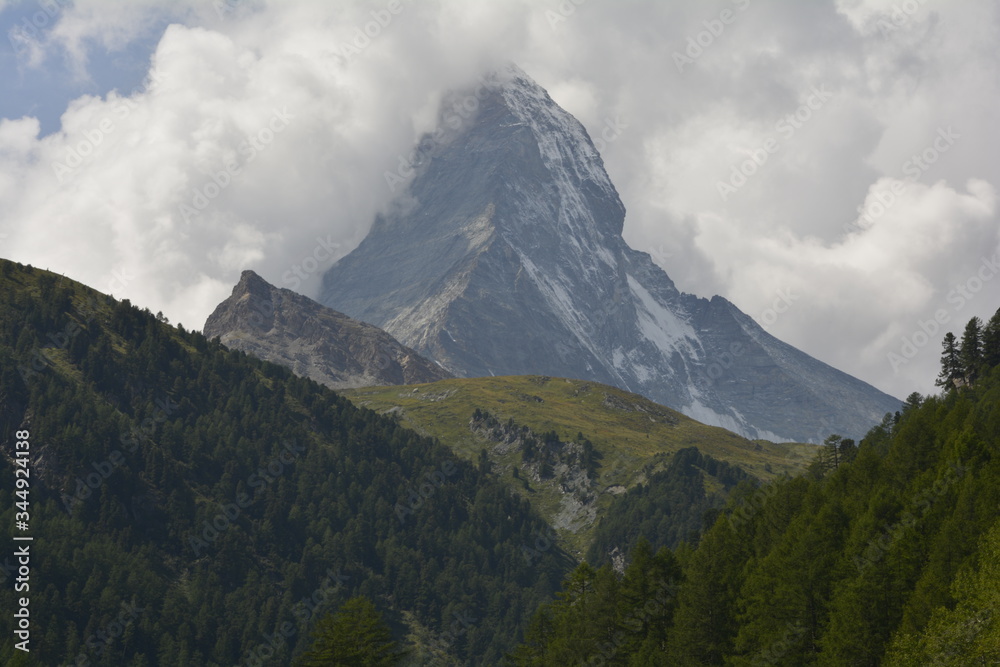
{"x": 632, "y": 435}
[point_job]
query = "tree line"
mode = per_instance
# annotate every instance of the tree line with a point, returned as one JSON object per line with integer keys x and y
{"x": 963, "y": 362}
{"x": 885, "y": 552}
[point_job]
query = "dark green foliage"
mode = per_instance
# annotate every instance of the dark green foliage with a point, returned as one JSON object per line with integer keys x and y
{"x": 233, "y": 503}
{"x": 991, "y": 342}
{"x": 601, "y": 618}
{"x": 355, "y": 636}
{"x": 668, "y": 509}
{"x": 951, "y": 365}
{"x": 971, "y": 353}
{"x": 978, "y": 353}
{"x": 912, "y": 401}
{"x": 888, "y": 557}
{"x": 836, "y": 450}
{"x": 590, "y": 457}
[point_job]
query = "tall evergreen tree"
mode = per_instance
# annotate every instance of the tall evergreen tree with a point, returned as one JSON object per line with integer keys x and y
{"x": 356, "y": 636}
{"x": 971, "y": 353}
{"x": 991, "y": 342}
{"x": 913, "y": 401}
{"x": 830, "y": 454}
{"x": 951, "y": 366}
{"x": 568, "y": 630}
{"x": 705, "y": 623}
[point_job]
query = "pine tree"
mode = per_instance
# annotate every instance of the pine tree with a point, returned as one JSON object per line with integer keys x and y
{"x": 848, "y": 450}
{"x": 567, "y": 630}
{"x": 951, "y": 367}
{"x": 913, "y": 402}
{"x": 354, "y": 636}
{"x": 971, "y": 353}
{"x": 991, "y": 342}
{"x": 830, "y": 456}
{"x": 705, "y": 623}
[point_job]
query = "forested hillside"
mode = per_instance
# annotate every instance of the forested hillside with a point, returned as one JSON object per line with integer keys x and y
{"x": 670, "y": 508}
{"x": 194, "y": 506}
{"x": 885, "y": 554}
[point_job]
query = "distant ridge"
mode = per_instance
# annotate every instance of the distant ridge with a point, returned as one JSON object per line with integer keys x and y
{"x": 317, "y": 342}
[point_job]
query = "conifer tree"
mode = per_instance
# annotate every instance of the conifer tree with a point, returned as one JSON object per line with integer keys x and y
{"x": 971, "y": 353}
{"x": 951, "y": 367}
{"x": 354, "y": 636}
{"x": 913, "y": 402}
{"x": 704, "y": 622}
{"x": 991, "y": 342}
{"x": 830, "y": 456}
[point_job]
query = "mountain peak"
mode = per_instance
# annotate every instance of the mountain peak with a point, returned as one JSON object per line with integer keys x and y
{"x": 565, "y": 148}
{"x": 505, "y": 257}
{"x": 318, "y": 342}
{"x": 247, "y": 276}
{"x": 507, "y": 74}
{"x": 510, "y": 138}
{"x": 252, "y": 286}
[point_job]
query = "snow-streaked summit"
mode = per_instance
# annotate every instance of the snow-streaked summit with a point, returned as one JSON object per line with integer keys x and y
{"x": 565, "y": 147}
{"x": 505, "y": 256}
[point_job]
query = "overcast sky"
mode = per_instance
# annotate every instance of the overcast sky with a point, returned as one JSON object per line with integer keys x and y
{"x": 829, "y": 166}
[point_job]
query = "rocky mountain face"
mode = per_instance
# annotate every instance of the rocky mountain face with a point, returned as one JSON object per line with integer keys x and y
{"x": 286, "y": 328}
{"x": 504, "y": 256}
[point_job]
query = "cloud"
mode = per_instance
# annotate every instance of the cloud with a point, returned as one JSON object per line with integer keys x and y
{"x": 875, "y": 285}
{"x": 264, "y": 131}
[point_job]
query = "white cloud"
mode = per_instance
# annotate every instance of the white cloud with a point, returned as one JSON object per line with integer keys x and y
{"x": 224, "y": 80}
{"x": 875, "y": 285}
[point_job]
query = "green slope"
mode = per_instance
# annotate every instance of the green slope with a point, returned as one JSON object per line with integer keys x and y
{"x": 632, "y": 435}
{"x": 191, "y": 505}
